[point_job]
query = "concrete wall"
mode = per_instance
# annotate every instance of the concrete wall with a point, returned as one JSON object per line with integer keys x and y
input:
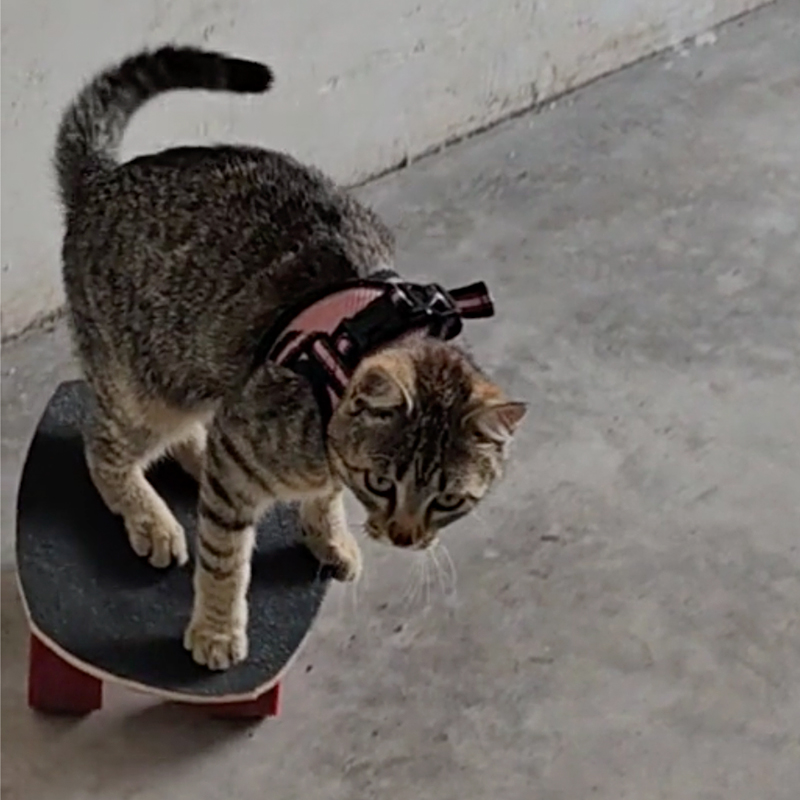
{"x": 361, "y": 84}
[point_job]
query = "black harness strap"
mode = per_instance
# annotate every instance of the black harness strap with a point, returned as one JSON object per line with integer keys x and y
{"x": 327, "y": 361}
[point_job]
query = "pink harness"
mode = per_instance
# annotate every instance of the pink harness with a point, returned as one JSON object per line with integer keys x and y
{"x": 330, "y": 333}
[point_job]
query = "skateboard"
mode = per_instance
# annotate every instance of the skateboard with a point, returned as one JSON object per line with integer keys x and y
{"x": 100, "y": 614}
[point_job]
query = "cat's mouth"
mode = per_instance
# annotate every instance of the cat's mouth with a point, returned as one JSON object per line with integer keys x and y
{"x": 398, "y": 538}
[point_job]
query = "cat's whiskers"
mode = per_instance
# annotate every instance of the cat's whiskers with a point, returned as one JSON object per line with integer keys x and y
{"x": 430, "y": 573}
{"x": 419, "y": 585}
{"x": 413, "y": 585}
{"x": 478, "y": 514}
{"x": 431, "y": 569}
{"x": 424, "y": 594}
{"x": 448, "y": 567}
{"x": 438, "y": 571}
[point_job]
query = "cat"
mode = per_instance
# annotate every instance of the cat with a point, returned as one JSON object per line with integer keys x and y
{"x": 174, "y": 264}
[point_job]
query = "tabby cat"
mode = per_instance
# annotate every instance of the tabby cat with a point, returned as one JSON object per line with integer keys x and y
{"x": 174, "y": 264}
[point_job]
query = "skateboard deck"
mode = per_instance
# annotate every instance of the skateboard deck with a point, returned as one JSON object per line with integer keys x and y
{"x": 99, "y": 613}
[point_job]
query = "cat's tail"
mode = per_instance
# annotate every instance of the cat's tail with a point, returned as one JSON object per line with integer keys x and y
{"x": 92, "y": 127}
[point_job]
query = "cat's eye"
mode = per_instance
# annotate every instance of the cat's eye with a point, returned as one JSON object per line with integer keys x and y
{"x": 378, "y": 484}
{"x": 449, "y": 502}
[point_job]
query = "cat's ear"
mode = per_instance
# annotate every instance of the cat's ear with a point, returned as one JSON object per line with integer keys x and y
{"x": 498, "y": 421}
{"x": 383, "y": 384}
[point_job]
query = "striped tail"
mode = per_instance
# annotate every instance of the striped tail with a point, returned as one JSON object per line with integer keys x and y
{"x": 92, "y": 127}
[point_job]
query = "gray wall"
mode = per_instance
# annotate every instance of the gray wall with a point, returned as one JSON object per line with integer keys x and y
{"x": 360, "y": 84}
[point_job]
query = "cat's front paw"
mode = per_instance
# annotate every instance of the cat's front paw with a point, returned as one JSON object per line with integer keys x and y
{"x": 214, "y": 645}
{"x": 156, "y": 534}
{"x": 342, "y": 554}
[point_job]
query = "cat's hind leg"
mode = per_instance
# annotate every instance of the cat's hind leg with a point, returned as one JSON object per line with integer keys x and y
{"x": 123, "y": 437}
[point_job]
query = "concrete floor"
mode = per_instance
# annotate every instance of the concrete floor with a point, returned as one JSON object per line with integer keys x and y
{"x": 625, "y": 618}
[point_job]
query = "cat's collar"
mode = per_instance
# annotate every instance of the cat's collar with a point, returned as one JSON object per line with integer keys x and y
{"x": 326, "y": 335}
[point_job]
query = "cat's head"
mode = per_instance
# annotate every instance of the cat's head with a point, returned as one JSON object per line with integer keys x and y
{"x": 419, "y": 437}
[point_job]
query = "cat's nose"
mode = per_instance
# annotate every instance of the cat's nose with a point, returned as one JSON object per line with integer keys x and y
{"x": 401, "y": 534}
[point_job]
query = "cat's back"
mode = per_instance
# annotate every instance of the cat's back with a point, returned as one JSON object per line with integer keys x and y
{"x": 186, "y": 190}
{"x": 213, "y": 214}
{"x": 219, "y": 175}
{"x": 184, "y": 257}
{"x": 175, "y": 262}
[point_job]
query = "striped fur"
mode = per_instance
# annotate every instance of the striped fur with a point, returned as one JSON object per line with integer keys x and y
{"x": 174, "y": 264}
{"x": 92, "y": 127}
